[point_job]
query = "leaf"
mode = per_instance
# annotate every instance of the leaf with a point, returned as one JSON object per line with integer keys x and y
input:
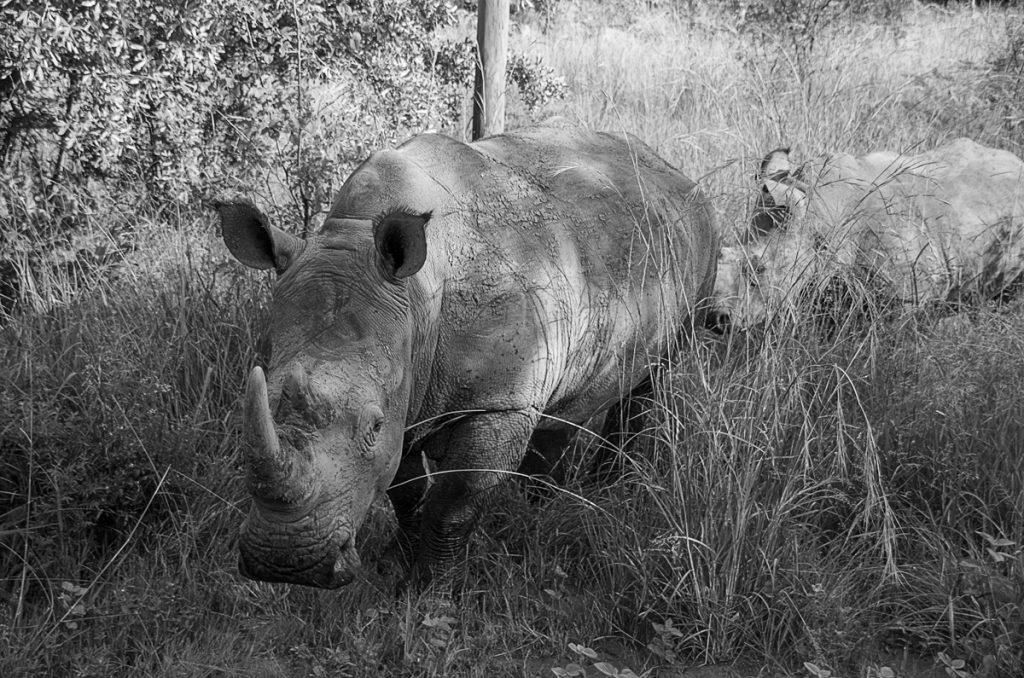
{"x": 997, "y": 556}
{"x": 73, "y": 589}
{"x": 443, "y": 623}
{"x": 606, "y": 668}
{"x": 583, "y": 650}
{"x": 668, "y": 629}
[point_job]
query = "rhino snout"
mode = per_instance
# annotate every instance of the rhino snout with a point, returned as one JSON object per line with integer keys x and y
{"x": 328, "y": 563}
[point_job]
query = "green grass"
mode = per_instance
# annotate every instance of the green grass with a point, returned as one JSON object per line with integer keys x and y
{"x": 794, "y": 499}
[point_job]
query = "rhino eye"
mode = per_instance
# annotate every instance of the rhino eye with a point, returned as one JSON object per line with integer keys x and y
{"x": 371, "y": 423}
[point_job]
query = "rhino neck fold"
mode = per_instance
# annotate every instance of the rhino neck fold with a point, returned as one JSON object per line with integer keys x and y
{"x": 425, "y": 295}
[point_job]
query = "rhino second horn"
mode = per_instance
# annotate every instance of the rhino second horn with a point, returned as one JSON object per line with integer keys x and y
{"x": 296, "y": 386}
{"x": 273, "y": 475}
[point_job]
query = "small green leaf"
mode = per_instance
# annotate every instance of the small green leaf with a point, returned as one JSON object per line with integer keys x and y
{"x": 583, "y": 650}
{"x": 817, "y": 671}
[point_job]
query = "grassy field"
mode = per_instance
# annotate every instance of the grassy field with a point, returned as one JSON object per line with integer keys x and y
{"x": 855, "y": 503}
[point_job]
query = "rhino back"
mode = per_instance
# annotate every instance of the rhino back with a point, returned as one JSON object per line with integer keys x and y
{"x": 929, "y": 223}
{"x": 558, "y": 264}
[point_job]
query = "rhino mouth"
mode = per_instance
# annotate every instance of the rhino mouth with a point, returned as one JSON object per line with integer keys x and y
{"x": 327, "y": 561}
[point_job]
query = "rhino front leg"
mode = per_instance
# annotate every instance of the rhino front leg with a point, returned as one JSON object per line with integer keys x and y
{"x": 474, "y": 456}
{"x": 546, "y": 454}
{"x": 406, "y": 493}
{"x": 623, "y": 423}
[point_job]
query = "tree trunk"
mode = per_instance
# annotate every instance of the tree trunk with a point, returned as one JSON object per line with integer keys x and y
{"x": 489, "y": 90}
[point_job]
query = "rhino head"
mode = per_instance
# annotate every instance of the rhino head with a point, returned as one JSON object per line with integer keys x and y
{"x": 757, "y": 276}
{"x": 323, "y": 428}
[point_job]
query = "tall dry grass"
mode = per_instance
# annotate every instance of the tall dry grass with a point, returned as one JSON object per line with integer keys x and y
{"x": 793, "y": 497}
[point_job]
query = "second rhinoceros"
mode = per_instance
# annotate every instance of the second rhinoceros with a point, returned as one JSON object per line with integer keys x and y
{"x": 494, "y": 292}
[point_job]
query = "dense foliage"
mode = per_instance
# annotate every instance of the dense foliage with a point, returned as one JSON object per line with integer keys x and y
{"x": 120, "y": 101}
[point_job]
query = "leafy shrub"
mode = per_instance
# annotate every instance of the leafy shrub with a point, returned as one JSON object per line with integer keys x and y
{"x": 131, "y": 103}
{"x": 538, "y": 84}
{"x": 136, "y": 97}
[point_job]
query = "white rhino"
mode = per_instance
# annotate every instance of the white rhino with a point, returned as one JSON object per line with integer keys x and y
{"x": 461, "y": 301}
{"x": 940, "y": 226}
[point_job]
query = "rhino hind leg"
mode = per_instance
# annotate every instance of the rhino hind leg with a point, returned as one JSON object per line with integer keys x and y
{"x": 623, "y": 423}
{"x": 474, "y": 456}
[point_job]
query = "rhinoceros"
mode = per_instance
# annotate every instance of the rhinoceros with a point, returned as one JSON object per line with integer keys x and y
{"x": 458, "y": 300}
{"x": 940, "y": 226}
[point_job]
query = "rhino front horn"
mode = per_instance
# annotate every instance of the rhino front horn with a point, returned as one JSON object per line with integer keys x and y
{"x": 275, "y": 476}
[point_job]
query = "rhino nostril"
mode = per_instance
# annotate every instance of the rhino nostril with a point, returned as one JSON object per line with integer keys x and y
{"x": 346, "y": 561}
{"x": 341, "y": 574}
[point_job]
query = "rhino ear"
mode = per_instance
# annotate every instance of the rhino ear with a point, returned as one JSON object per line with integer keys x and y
{"x": 401, "y": 240}
{"x": 782, "y": 182}
{"x": 776, "y": 161}
{"x": 252, "y": 240}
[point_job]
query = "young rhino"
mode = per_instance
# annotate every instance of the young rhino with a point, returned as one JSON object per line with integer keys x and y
{"x": 940, "y": 226}
{"x": 458, "y": 300}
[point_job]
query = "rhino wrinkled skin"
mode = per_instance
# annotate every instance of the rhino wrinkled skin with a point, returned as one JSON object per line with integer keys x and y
{"x": 934, "y": 227}
{"x": 457, "y": 300}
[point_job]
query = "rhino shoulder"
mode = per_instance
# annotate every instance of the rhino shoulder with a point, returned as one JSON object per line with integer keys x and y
{"x": 411, "y": 176}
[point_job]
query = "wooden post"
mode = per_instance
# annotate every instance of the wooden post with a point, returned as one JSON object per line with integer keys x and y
{"x": 489, "y": 88}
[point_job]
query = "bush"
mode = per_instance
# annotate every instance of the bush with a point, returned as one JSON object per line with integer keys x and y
{"x": 103, "y": 99}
